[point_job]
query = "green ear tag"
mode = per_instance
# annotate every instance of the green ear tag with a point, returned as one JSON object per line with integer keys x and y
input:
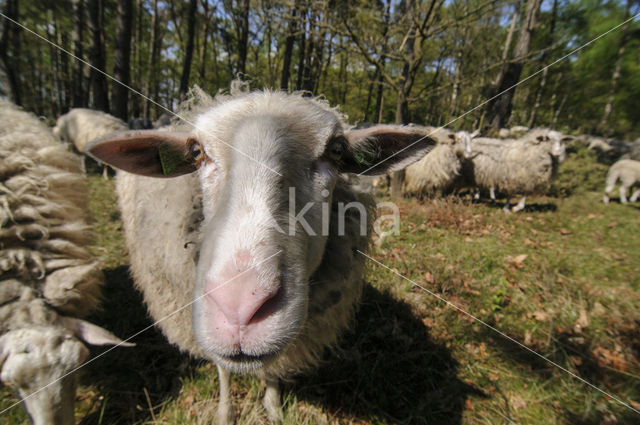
{"x": 170, "y": 159}
{"x": 365, "y": 156}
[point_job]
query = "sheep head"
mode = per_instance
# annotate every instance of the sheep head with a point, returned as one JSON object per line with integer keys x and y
{"x": 267, "y": 165}
{"x": 40, "y": 363}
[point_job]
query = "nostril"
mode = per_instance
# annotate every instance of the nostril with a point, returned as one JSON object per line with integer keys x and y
{"x": 268, "y": 308}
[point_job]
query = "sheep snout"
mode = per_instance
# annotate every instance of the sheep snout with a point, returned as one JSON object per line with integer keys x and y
{"x": 241, "y": 296}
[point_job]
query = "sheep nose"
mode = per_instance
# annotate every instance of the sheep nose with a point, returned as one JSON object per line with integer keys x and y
{"x": 238, "y": 294}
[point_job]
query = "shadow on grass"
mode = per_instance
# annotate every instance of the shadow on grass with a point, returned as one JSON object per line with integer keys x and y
{"x": 529, "y": 207}
{"x": 388, "y": 369}
{"x": 589, "y": 369}
{"x": 124, "y": 374}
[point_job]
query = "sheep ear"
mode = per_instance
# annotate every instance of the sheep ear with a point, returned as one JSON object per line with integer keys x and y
{"x": 92, "y": 334}
{"x": 145, "y": 152}
{"x": 384, "y": 148}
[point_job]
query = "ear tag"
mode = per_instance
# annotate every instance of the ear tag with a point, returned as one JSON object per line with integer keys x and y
{"x": 365, "y": 156}
{"x": 170, "y": 159}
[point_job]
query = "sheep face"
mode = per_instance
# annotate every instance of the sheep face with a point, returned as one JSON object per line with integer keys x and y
{"x": 38, "y": 362}
{"x": 267, "y": 165}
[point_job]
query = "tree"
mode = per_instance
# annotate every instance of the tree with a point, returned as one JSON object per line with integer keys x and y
{"x": 77, "y": 75}
{"x": 9, "y": 49}
{"x": 188, "y": 55}
{"x": 97, "y": 80}
{"x": 121, "y": 60}
{"x": 499, "y": 108}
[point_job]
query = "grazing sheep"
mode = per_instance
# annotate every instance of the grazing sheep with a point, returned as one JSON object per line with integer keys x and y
{"x": 440, "y": 169}
{"x": 47, "y": 275}
{"x": 248, "y": 253}
{"x": 627, "y": 171}
{"x": 79, "y": 126}
{"x": 522, "y": 166}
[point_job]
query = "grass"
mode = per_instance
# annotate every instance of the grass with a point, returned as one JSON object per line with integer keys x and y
{"x": 562, "y": 277}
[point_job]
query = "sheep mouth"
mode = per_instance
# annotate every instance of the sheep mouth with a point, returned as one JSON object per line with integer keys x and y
{"x": 243, "y": 362}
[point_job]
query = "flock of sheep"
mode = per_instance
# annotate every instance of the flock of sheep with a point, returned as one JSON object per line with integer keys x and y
{"x": 520, "y": 161}
{"x": 221, "y": 279}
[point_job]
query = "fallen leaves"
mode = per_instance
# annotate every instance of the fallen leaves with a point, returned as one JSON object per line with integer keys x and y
{"x": 539, "y": 315}
{"x": 614, "y": 359}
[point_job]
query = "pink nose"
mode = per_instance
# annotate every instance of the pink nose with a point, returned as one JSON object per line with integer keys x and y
{"x": 237, "y": 293}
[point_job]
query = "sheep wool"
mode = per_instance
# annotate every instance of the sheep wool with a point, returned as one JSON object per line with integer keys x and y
{"x": 48, "y": 277}
{"x": 226, "y": 268}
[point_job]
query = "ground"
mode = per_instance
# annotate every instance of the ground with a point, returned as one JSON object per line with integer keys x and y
{"x": 561, "y": 277}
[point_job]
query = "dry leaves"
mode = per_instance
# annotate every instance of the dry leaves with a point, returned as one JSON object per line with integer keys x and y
{"x": 539, "y": 315}
{"x": 429, "y": 277}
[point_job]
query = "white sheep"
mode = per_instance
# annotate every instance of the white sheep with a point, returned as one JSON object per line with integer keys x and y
{"x": 522, "y": 166}
{"x": 438, "y": 171}
{"x": 47, "y": 276}
{"x": 251, "y": 253}
{"x": 627, "y": 171}
{"x": 79, "y": 126}
{"x": 514, "y": 132}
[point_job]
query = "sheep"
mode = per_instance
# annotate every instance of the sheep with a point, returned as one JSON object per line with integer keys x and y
{"x": 522, "y": 166}
{"x": 514, "y": 132}
{"x": 48, "y": 279}
{"x": 79, "y": 126}
{"x": 438, "y": 171}
{"x": 627, "y": 171}
{"x": 241, "y": 180}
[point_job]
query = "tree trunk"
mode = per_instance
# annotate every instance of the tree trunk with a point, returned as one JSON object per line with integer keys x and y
{"x": 507, "y": 43}
{"x": 243, "y": 42}
{"x": 288, "y": 51}
{"x": 77, "y": 36}
{"x": 302, "y": 49}
{"x": 121, "y": 60}
{"x": 188, "y": 55}
{"x": 406, "y": 82}
{"x": 613, "y": 85}
{"x": 499, "y": 109}
{"x": 98, "y": 82}
{"x": 9, "y": 51}
{"x": 205, "y": 38}
{"x": 545, "y": 72}
{"x": 149, "y": 83}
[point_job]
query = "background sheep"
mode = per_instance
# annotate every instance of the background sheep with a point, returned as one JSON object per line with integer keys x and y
{"x": 438, "y": 171}
{"x": 523, "y": 166}
{"x": 627, "y": 171}
{"x": 79, "y": 126}
{"x": 47, "y": 275}
{"x": 265, "y": 300}
{"x": 514, "y": 132}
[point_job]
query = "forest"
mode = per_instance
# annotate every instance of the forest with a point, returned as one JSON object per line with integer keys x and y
{"x": 435, "y": 62}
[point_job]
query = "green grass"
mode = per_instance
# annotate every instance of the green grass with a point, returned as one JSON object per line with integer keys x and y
{"x": 562, "y": 277}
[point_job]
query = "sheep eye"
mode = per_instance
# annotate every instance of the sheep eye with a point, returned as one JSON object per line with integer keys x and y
{"x": 196, "y": 152}
{"x": 336, "y": 149}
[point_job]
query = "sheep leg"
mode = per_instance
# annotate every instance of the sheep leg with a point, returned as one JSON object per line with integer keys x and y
{"x": 507, "y": 206}
{"x": 623, "y": 195}
{"x": 224, "y": 415}
{"x": 105, "y": 172}
{"x": 634, "y": 195}
{"x": 520, "y": 205}
{"x": 477, "y": 195}
{"x": 271, "y": 401}
{"x": 492, "y": 193}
